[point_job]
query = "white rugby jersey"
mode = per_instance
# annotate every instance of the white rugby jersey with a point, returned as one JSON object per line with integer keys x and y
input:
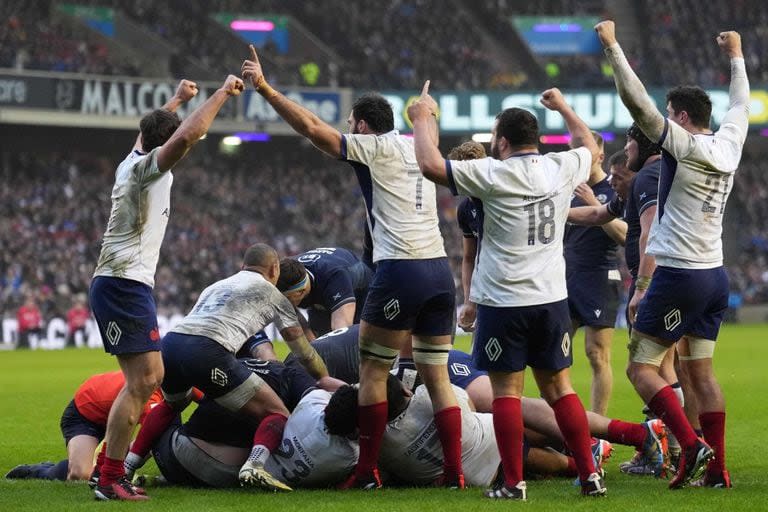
{"x": 233, "y": 309}
{"x": 525, "y": 201}
{"x": 411, "y": 448}
{"x": 141, "y": 205}
{"x": 401, "y": 204}
{"x": 308, "y": 455}
{"x": 694, "y": 184}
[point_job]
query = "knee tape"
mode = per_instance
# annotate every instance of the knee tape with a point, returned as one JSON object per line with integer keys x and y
{"x": 645, "y": 351}
{"x": 238, "y": 397}
{"x": 376, "y": 352}
{"x": 427, "y": 353}
{"x": 699, "y": 348}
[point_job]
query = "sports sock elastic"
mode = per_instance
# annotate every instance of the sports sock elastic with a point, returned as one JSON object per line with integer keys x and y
{"x": 679, "y": 393}
{"x": 448, "y": 423}
{"x": 267, "y": 437}
{"x": 508, "y": 426}
{"x": 667, "y": 407}
{"x": 572, "y": 420}
{"x": 713, "y": 425}
{"x": 623, "y": 432}
{"x": 371, "y": 420}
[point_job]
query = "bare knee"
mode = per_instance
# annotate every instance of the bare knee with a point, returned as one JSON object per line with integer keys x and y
{"x": 79, "y": 472}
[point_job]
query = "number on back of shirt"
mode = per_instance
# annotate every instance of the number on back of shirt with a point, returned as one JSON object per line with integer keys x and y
{"x": 541, "y": 221}
{"x": 710, "y": 205}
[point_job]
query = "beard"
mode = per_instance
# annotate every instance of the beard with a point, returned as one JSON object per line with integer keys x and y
{"x": 495, "y": 153}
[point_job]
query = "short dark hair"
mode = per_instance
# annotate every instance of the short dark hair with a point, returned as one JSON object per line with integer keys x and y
{"x": 157, "y": 127}
{"x": 694, "y": 100}
{"x": 469, "y": 150}
{"x": 259, "y": 255}
{"x": 376, "y": 111}
{"x": 291, "y": 272}
{"x": 341, "y": 412}
{"x": 518, "y": 126}
{"x": 618, "y": 159}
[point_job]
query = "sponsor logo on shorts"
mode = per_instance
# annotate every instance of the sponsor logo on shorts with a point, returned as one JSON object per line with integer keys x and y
{"x": 493, "y": 349}
{"x": 598, "y": 312}
{"x": 565, "y": 345}
{"x": 673, "y": 319}
{"x": 392, "y": 309}
{"x": 113, "y": 333}
{"x": 460, "y": 369}
{"x": 219, "y": 377}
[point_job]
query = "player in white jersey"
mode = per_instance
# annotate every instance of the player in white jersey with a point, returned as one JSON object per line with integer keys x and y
{"x": 519, "y": 280}
{"x": 121, "y": 291}
{"x": 688, "y": 294}
{"x": 200, "y": 352}
{"x": 411, "y": 299}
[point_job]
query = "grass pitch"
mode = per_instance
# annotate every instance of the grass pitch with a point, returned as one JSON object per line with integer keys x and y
{"x": 36, "y": 386}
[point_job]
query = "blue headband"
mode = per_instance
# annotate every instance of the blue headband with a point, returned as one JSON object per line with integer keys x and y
{"x": 298, "y": 286}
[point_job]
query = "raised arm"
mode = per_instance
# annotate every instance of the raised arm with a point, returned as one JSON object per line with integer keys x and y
{"x": 581, "y": 135}
{"x": 325, "y": 137}
{"x": 738, "y": 92}
{"x": 631, "y": 90}
{"x": 196, "y": 124}
{"x": 423, "y": 114}
{"x": 186, "y": 90}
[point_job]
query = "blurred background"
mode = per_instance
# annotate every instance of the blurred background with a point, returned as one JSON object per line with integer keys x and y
{"x": 76, "y": 77}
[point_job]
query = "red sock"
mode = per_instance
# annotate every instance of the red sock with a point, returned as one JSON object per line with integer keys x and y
{"x": 713, "y": 425}
{"x": 629, "y": 434}
{"x": 508, "y": 426}
{"x": 111, "y": 471}
{"x": 270, "y": 431}
{"x": 572, "y": 470}
{"x": 155, "y": 423}
{"x": 372, "y": 420}
{"x": 100, "y": 457}
{"x": 666, "y": 406}
{"x": 572, "y": 420}
{"x": 448, "y": 423}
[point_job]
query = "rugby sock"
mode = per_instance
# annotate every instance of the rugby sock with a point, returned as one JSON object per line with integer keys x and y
{"x": 666, "y": 406}
{"x": 678, "y": 392}
{"x": 572, "y": 469}
{"x": 572, "y": 420}
{"x": 448, "y": 423}
{"x": 630, "y": 434}
{"x": 111, "y": 471}
{"x": 102, "y": 454}
{"x": 267, "y": 437}
{"x": 371, "y": 420}
{"x": 508, "y": 426}
{"x": 156, "y": 422}
{"x": 713, "y": 425}
{"x": 56, "y": 472}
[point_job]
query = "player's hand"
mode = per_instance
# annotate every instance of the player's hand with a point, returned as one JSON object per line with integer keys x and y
{"x": 425, "y": 106}
{"x": 186, "y": 90}
{"x": 233, "y": 86}
{"x": 587, "y": 196}
{"x": 633, "y": 304}
{"x": 553, "y": 99}
{"x": 330, "y": 384}
{"x": 606, "y": 32}
{"x": 730, "y": 43}
{"x": 251, "y": 69}
{"x": 467, "y": 316}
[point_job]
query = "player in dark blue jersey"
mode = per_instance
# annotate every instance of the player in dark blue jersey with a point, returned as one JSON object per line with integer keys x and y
{"x": 594, "y": 282}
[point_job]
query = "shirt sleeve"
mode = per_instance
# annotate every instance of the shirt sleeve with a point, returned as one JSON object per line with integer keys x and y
{"x": 470, "y": 177}
{"x": 360, "y": 148}
{"x": 677, "y": 140}
{"x": 463, "y": 216}
{"x": 646, "y": 192}
{"x": 616, "y": 207}
{"x": 577, "y": 162}
{"x": 146, "y": 169}
{"x": 338, "y": 291}
{"x": 285, "y": 313}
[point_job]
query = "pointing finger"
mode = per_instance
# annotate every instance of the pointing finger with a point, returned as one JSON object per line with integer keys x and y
{"x": 254, "y": 57}
{"x": 425, "y": 89}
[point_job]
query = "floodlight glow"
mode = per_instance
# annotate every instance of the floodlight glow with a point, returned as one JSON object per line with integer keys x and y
{"x": 482, "y": 137}
{"x": 232, "y": 140}
{"x": 252, "y": 25}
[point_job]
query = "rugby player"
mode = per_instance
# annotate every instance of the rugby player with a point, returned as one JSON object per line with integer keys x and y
{"x": 121, "y": 290}
{"x": 688, "y": 294}
{"x": 411, "y": 299}
{"x": 519, "y": 282}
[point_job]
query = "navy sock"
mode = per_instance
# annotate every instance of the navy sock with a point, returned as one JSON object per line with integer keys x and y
{"x": 56, "y": 472}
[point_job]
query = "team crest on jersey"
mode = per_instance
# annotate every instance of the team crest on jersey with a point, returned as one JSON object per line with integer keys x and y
{"x": 602, "y": 198}
{"x": 566, "y": 344}
{"x": 219, "y": 377}
{"x": 337, "y": 296}
{"x": 673, "y": 319}
{"x": 113, "y": 333}
{"x": 392, "y": 309}
{"x": 493, "y": 349}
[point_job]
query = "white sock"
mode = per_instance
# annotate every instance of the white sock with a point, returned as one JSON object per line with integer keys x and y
{"x": 259, "y": 455}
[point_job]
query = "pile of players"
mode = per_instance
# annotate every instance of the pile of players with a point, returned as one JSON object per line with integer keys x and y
{"x": 278, "y": 425}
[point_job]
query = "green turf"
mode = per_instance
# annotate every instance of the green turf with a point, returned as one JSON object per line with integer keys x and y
{"x": 36, "y": 386}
